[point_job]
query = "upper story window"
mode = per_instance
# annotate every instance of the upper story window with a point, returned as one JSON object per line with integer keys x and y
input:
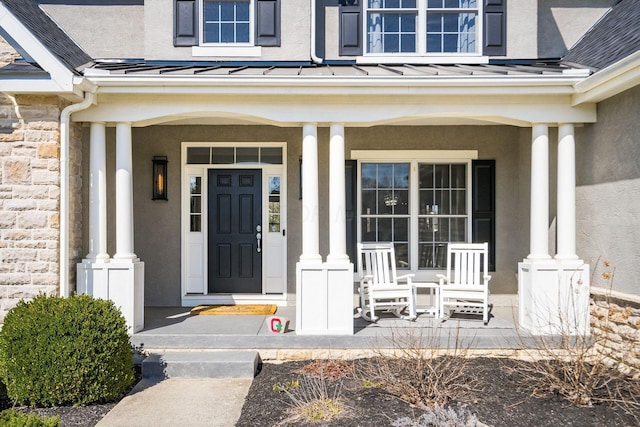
{"x": 422, "y": 31}
{"x": 407, "y": 27}
{"x": 227, "y": 21}
{"x": 226, "y": 27}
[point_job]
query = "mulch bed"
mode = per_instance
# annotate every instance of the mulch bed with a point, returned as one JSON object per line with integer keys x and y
{"x": 497, "y": 400}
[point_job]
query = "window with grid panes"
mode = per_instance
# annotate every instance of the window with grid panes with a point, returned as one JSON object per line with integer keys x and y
{"x": 422, "y": 26}
{"x": 419, "y": 206}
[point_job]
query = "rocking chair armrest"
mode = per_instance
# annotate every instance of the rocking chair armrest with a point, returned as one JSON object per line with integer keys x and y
{"x": 442, "y": 278}
{"x": 366, "y": 279}
{"x": 406, "y": 277}
{"x": 487, "y": 277}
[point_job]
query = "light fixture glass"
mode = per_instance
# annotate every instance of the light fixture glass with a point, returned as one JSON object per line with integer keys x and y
{"x": 160, "y": 178}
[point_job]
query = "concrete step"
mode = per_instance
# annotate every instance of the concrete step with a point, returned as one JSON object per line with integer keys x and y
{"x": 210, "y": 364}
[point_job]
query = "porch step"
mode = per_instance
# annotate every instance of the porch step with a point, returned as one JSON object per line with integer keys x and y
{"x": 209, "y": 364}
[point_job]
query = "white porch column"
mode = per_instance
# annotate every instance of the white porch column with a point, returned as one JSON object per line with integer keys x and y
{"x": 310, "y": 220}
{"x": 121, "y": 278}
{"x": 566, "y": 230}
{"x": 553, "y": 293}
{"x": 539, "y": 237}
{"x": 98, "y": 195}
{"x": 337, "y": 203}
{"x": 124, "y": 194}
{"x": 324, "y": 291}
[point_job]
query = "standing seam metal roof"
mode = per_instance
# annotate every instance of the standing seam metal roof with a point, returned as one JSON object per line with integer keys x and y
{"x": 342, "y": 70}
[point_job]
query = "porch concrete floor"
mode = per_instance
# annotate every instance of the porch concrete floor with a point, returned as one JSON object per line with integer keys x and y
{"x": 173, "y": 328}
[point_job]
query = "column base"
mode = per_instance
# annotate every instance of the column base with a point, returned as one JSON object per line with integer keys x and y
{"x": 120, "y": 282}
{"x": 338, "y": 259}
{"x": 310, "y": 259}
{"x": 554, "y": 297}
{"x": 324, "y": 299}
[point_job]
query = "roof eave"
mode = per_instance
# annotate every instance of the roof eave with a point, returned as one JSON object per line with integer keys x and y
{"x": 314, "y": 85}
{"x": 609, "y": 81}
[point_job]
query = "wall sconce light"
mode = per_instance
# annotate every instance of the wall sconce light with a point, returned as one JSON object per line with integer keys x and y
{"x": 160, "y": 178}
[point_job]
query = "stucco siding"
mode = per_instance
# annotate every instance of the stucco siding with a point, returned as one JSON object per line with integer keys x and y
{"x": 295, "y": 29}
{"x": 561, "y": 23}
{"x": 608, "y": 191}
{"x": 120, "y": 28}
{"x": 157, "y": 223}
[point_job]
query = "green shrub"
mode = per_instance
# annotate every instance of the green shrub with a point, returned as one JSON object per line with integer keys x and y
{"x": 11, "y": 418}
{"x": 60, "y": 351}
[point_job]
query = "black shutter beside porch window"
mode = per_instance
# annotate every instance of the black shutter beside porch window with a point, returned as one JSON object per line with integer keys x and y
{"x": 483, "y": 210}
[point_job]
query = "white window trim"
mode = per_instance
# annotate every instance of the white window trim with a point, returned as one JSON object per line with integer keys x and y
{"x": 229, "y": 50}
{"x": 427, "y": 155}
{"x": 422, "y": 56}
{"x": 414, "y": 157}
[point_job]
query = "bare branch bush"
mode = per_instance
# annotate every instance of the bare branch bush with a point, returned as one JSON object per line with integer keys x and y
{"x": 421, "y": 371}
{"x": 568, "y": 364}
{"x": 316, "y": 395}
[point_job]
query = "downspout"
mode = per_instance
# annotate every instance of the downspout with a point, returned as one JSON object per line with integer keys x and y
{"x": 314, "y": 57}
{"x": 65, "y": 118}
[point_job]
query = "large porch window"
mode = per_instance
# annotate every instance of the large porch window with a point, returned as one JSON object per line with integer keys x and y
{"x": 420, "y": 205}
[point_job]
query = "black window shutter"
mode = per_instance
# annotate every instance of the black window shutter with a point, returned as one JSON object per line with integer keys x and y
{"x": 267, "y": 23}
{"x": 351, "y": 28}
{"x": 350, "y": 178}
{"x": 185, "y": 23}
{"x": 495, "y": 28}
{"x": 483, "y": 215}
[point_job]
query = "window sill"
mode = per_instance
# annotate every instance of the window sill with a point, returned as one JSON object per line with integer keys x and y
{"x": 392, "y": 59}
{"x": 233, "y": 51}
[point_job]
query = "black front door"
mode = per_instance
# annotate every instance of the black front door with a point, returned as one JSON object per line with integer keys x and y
{"x": 235, "y": 227}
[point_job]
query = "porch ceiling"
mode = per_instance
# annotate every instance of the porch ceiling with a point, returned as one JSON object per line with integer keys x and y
{"x": 292, "y": 94}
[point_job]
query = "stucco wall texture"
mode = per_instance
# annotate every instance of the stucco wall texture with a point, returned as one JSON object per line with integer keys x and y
{"x": 608, "y": 191}
{"x": 535, "y": 29}
{"x": 157, "y": 223}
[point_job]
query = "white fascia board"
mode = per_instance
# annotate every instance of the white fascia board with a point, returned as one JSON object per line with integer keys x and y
{"x": 61, "y": 76}
{"x": 363, "y": 110}
{"x": 610, "y": 81}
{"x": 317, "y": 85}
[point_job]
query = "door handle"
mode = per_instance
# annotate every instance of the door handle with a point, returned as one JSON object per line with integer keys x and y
{"x": 259, "y": 238}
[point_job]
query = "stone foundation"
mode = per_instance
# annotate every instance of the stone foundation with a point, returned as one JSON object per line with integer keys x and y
{"x": 30, "y": 197}
{"x": 615, "y": 325}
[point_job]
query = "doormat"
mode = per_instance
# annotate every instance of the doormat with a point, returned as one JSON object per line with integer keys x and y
{"x": 244, "y": 309}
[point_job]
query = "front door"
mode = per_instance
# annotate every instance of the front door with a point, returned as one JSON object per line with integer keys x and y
{"x": 235, "y": 231}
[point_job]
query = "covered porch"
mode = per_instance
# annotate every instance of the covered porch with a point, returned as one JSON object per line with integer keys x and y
{"x": 322, "y": 118}
{"x": 174, "y": 329}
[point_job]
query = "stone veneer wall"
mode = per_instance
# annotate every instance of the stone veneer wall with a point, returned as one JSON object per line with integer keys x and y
{"x": 30, "y": 197}
{"x": 615, "y": 325}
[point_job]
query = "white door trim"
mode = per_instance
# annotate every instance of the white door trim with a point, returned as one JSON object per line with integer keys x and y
{"x": 193, "y": 289}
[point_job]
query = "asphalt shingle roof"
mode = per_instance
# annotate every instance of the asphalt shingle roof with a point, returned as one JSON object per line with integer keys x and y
{"x": 49, "y": 33}
{"x": 615, "y": 36}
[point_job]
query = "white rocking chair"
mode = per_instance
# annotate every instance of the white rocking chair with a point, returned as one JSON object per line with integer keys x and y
{"x": 379, "y": 287}
{"x": 465, "y": 287}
